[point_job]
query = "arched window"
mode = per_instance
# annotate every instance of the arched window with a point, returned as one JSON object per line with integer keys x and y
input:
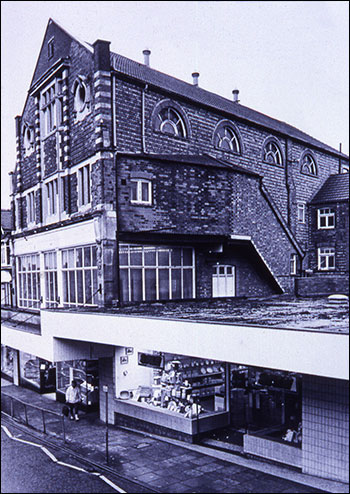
{"x": 226, "y": 139}
{"x": 272, "y": 154}
{"x": 28, "y": 139}
{"x": 308, "y": 165}
{"x": 169, "y": 121}
{"x": 81, "y": 94}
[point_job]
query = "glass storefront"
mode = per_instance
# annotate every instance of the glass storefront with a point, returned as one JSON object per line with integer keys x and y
{"x": 182, "y": 385}
{"x": 7, "y": 358}
{"x": 37, "y": 373}
{"x": 85, "y": 372}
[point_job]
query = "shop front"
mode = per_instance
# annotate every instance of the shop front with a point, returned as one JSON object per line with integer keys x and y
{"x": 9, "y": 358}
{"x": 169, "y": 394}
{"x": 85, "y": 373}
{"x": 36, "y": 373}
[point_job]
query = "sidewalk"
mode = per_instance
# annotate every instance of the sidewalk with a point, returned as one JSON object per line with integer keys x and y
{"x": 164, "y": 464}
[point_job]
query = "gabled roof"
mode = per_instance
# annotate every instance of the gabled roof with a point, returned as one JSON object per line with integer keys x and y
{"x": 151, "y": 76}
{"x": 335, "y": 189}
{"x": 6, "y": 220}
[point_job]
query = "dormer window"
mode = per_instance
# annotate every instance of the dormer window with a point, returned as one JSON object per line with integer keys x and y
{"x": 308, "y": 165}
{"x": 272, "y": 154}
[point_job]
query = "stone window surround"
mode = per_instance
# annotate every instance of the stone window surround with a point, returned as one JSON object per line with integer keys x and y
{"x": 308, "y": 153}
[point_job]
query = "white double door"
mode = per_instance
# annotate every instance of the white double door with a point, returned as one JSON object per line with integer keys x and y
{"x": 223, "y": 281}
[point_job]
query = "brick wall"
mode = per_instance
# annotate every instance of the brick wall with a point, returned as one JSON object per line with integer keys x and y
{"x": 326, "y": 427}
{"x": 325, "y": 284}
{"x": 337, "y": 237}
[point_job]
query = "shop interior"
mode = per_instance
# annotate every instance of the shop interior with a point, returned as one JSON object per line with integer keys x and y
{"x": 85, "y": 373}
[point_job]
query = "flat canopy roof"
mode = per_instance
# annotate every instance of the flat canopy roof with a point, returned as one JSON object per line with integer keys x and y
{"x": 312, "y": 314}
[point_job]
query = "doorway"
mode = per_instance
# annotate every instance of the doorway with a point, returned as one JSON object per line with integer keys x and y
{"x": 223, "y": 281}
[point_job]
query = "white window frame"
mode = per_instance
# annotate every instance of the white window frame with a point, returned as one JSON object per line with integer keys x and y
{"x": 140, "y": 182}
{"x": 325, "y": 253}
{"x": 158, "y": 267}
{"x": 293, "y": 264}
{"x": 226, "y": 276}
{"x": 22, "y": 281}
{"x": 84, "y": 187}
{"x": 50, "y": 272}
{"x": 301, "y": 212}
{"x": 327, "y": 214}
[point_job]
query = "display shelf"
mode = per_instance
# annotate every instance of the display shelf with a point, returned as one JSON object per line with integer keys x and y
{"x": 197, "y": 376}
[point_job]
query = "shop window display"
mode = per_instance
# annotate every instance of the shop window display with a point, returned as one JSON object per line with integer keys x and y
{"x": 7, "y": 358}
{"x": 183, "y": 385}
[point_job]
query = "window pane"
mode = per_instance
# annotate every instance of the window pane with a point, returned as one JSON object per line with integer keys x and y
{"x": 176, "y": 283}
{"x": 71, "y": 286}
{"x": 187, "y": 257}
{"x": 71, "y": 258}
{"x": 94, "y": 285}
{"x": 124, "y": 285}
{"x": 163, "y": 258}
{"x": 87, "y": 256}
{"x": 47, "y": 286}
{"x": 187, "y": 283}
{"x": 80, "y": 288}
{"x": 150, "y": 258}
{"x": 88, "y": 287}
{"x": 123, "y": 259}
{"x": 221, "y": 270}
{"x": 134, "y": 191}
{"x": 145, "y": 191}
{"x": 150, "y": 284}
{"x": 94, "y": 255}
{"x": 163, "y": 284}
{"x": 331, "y": 261}
{"x": 135, "y": 258}
{"x": 79, "y": 257}
{"x": 176, "y": 257}
{"x": 136, "y": 284}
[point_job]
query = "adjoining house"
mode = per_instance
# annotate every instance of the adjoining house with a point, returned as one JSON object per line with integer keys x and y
{"x": 133, "y": 191}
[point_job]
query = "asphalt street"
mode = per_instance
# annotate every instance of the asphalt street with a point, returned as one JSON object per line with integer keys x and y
{"x": 25, "y": 468}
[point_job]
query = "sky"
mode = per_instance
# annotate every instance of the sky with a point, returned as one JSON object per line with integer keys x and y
{"x": 290, "y": 60}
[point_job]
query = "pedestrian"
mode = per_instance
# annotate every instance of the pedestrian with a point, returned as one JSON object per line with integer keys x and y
{"x": 73, "y": 398}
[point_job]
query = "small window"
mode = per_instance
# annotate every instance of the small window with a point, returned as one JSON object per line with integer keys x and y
{"x": 80, "y": 96}
{"x": 28, "y": 139}
{"x": 50, "y": 48}
{"x": 226, "y": 139}
{"x": 52, "y": 197}
{"x": 169, "y": 121}
{"x": 308, "y": 165}
{"x": 325, "y": 219}
{"x": 141, "y": 191}
{"x": 344, "y": 168}
{"x": 272, "y": 154}
{"x": 301, "y": 209}
{"x": 326, "y": 259}
{"x": 293, "y": 264}
{"x": 84, "y": 186}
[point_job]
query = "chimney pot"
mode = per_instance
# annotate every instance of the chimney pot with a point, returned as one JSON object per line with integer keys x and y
{"x": 195, "y": 76}
{"x": 146, "y": 54}
{"x": 235, "y": 93}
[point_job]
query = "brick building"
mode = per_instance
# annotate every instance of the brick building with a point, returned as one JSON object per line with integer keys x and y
{"x": 133, "y": 186}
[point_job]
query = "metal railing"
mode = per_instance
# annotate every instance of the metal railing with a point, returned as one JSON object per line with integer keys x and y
{"x": 33, "y": 416}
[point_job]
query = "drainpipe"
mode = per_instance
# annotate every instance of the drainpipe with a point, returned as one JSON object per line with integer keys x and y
{"x": 143, "y": 142}
{"x": 288, "y": 186}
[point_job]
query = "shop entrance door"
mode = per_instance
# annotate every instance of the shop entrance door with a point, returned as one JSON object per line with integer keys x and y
{"x": 223, "y": 281}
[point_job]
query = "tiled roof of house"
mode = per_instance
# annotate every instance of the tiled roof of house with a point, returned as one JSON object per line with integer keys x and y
{"x": 148, "y": 75}
{"x": 6, "y": 220}
{"x": 335, "y": 188}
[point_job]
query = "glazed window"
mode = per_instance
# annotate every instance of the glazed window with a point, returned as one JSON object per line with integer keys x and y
{"x": 28, "y": 269}
{"x": 80, "y": 96}
{"x": 141, "y": 191}
{"x": 293, "y": 264}
{"x": 52, "y": 197}
{"x": 344, "y": 168}
{"x": 301, "y": 212}
{"x": 51, "y": 108}
{"x": 31, "y": 208}
{"x": 156, "y": 273}
{"x": 308, "y": 165}
{"x": 272, "y": 154}
{"x": 326, "y": 259}
{"x": 169, "y": 121}
{"x": 50, "y": 271}
{"x": 226, "y": 139}
{"x": 79, "y": 269}
{"x": 325, "y": 219}
{"x": 84, "y": 186}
